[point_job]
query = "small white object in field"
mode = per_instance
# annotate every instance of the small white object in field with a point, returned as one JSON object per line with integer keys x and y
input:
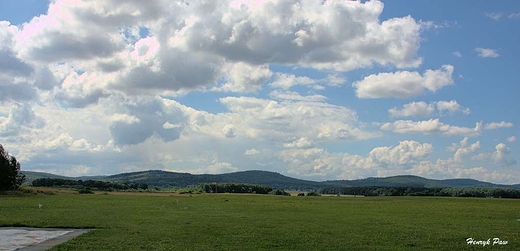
{"x": 177, "y": 201}
{"x": 40, "y": 205}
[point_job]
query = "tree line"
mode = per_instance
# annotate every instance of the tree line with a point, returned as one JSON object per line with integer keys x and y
{"x": 92, "y": 184}
{"x": 424, "y": 191}
{"x": 234, "y": 188}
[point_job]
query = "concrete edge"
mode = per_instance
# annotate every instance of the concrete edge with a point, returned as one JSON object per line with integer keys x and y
{"x": 48, "y": 244}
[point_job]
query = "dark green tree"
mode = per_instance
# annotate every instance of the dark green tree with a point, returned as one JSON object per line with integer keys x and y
{"x": 10, "y": 176}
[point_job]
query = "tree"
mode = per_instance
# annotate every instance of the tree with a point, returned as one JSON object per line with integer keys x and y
{"x": 10, "y": 176}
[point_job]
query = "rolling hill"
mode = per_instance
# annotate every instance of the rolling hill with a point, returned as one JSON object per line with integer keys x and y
{"x": 416, "y": 181}
{"x": 30, "y": 176}
{"x": 173, "y": 179}
{"x": 157, "y": 178}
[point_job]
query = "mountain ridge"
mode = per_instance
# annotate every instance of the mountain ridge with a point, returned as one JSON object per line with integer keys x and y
{"x": 160, "y": 178}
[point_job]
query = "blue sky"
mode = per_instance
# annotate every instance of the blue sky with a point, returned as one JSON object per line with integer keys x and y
{"x": 311, "y": 89}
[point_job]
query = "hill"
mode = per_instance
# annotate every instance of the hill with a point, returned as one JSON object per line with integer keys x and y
{"x": 416, "y": 181}
{"x": 30, "y": 176}
{"x": 157, "y": 178}
{"x": 174, "y": 179}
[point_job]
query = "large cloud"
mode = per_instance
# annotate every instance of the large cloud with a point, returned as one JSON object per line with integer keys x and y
{"x": 280, "y": 136}
{"x": 286, "y": 81}
{"x": 381, "y": 161}
{"x": 21, "y": 116}
{"x": 172, "y": 69}
{"x": 13, "y": 85}
{"x": 146, "y": 117}
{"x": 449, "y": 169}
{"x": 498, "y": 125}
{"x": 80, "y": 90}
{"x": 309, "y": 33}
{"x": 423, "y": 109}
{"x": 500, "y": 155}
{"x": 79, "y": 30}
{"x": 463, "y": 148}
{"x": 432, "y": 126}
{"x": 403, "y": 84}
{"x": 245, "y": 78}
{"x": 269, "y": 119}
{"x": 9, "y": 64}
{"x": 408, "y": 157}
{"x": 17, "y": 92}
{"x": 99, "y": 139}
{"x": 406, "y": 153}
{"x": 161, "y": 46}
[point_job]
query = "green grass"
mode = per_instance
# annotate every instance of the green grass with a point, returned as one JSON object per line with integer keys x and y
{"x": 263, "y": 222}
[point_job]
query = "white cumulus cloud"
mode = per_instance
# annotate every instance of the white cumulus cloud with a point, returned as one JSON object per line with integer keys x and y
{"x": 169, "y": 47}
{"x": 125, "y": 118}
{"x": 229, "y": 131}
{"x": 487, "y": 53}
{"x": 251, "y": 151}
{"x": 498, "y": 125}
{"x": 494, "y": 15}
{"x": 269, "y": 119}
{"x": 381, "y": 161}
{"x": 432, "y": 126}
{"x": 294, "y": 96}
{"x": 500, "y": 155}
{"x": 423, "y": 109}
{"x": 245, "y": 78}
{"x": 300, "y": 143}
{"x": 403, "y": 84}
{"x": 463, "y": 148}
{"x": 21, "y": 118}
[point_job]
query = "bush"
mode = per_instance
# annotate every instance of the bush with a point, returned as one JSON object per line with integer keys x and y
{"x": 280, "y": 192}
{"x": 313, "y": 194}
{"x": 85, "y": 190}
{"x": 301, "y": 194}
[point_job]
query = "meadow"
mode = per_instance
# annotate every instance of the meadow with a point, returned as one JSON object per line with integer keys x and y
{"x": 161, "y": 221}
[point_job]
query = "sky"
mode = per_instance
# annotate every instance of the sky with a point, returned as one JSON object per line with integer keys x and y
{"x": 318, "y": 90}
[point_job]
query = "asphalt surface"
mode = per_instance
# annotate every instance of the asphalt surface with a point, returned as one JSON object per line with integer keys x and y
{"x": 35, "y": 239}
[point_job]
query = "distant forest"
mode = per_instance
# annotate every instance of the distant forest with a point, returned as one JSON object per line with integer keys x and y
{"x": 232, "y": 187}
{"x": 424, "y": 191}
{"x": 92, "y": 184}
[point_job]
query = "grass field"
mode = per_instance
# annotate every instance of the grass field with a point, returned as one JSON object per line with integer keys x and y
{"x": 263, "y": 222}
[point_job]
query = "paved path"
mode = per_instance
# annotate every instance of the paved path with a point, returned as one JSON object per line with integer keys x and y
{"x": 35, "y": 239}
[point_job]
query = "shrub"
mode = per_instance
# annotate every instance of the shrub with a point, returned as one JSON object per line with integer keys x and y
{"x": 85, "y": 190}
{"x": 280, "y": 192}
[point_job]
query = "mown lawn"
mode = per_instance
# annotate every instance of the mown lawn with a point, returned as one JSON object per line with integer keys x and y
{"x": 265, "y": 222}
